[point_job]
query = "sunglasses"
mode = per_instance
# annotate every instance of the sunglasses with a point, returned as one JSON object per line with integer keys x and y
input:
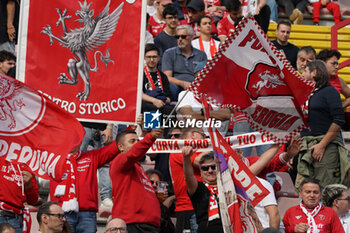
{"x": 154, "y": 182}
{"x": 206, "y": 167}
{"x": 345, "y": 199}
{"x": 181, "y": 36}
{"x": 177, "y": 135}
{"x": 60, "y": 216}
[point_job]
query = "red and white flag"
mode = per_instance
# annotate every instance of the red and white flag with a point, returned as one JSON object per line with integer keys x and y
{"x": 86, "y": 56}
{"x": 250, "y": 75}
{"x": 34, "y": 130}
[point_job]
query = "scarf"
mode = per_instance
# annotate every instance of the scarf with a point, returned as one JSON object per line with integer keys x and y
{"x": 212, "y": 46}
{"x": 148, "y": 75}
{"x": 305, "y": 107}
{"x": 310, "y": 217}
{"x": 66, "y": 189}
{"x": 213, "y": 208}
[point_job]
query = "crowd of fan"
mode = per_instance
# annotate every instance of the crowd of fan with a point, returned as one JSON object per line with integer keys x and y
{"x": 181, "y": 37}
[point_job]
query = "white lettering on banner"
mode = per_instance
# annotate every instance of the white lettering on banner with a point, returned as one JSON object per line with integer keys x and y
{"x": 240, "y": 141}
{"x": 39, "y": 161}
{"x": 89, "y": 108}
{"x": 211, "y": 123}
{"x": 244, "y": 179}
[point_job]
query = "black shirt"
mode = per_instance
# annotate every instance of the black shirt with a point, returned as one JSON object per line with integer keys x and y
{"x": 290, "y": 50}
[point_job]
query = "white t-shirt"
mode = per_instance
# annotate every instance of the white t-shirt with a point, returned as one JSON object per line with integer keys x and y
{"x": 206, "y": 45}
{"x": 268, "y": 200}
{"x": 249, "y": 6}
{"x": 345, "y": 221}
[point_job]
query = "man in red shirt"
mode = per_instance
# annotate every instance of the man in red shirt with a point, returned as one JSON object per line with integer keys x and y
{"x": 227, "y": 25}
{"x": 311, "y": 214}
{"x": 183, "y": 207}
{"x": 134, "y": 199}
{"x": 156, "y": 23}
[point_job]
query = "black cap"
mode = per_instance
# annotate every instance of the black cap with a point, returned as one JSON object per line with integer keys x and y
{"x": 197, "y": 5}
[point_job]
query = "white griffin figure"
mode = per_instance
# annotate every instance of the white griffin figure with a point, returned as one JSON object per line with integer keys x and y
{"x": 267, "y": 81}
{"x": 94, "y": 33}
{"x": 8, "y": 90}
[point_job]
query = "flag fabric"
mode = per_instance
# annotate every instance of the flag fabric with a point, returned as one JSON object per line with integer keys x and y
{"x": 239, "y": 190}
{"x": 35, "y": 131}
{"x": 86, "y": 56}
{"x": 249, "y": 74}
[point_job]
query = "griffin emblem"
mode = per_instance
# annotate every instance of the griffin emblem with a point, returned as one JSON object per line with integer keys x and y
{"x": 93, "y": 34}
{"x": 9, "y": 90}
{"x": 267, "y": 81}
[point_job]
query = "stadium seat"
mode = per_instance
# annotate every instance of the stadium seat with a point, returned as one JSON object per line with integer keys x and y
{"x": 287, "y": 186}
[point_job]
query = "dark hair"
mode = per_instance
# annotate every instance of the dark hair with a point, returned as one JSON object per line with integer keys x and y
{"x": 322, "y": 76}
{"x": 233, "y": 5}
{"x": 151, "y": 171}
{"x": 5, "y": 226}
{"x": 206, "y": 157}
{"x": 284, "y": 22}
{"x": 332, "y": 192}
{"x": 169, "y": 10}
{"x": 121, "y": 135}
{"x": 44, "y": 209}
{"x": 202, "y": 17}
{"x": 309, "y": 180}
{"x": 326, "y": 54}
{"x": 307, "y": 50}
{"x": 151, "y": 47}
{"x": 5, "y": 55}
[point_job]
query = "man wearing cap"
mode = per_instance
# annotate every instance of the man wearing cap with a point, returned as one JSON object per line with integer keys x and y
{"x": 178, "y": 63}
{"x": 156, "y": 23}
{"x": 195, "y": 9}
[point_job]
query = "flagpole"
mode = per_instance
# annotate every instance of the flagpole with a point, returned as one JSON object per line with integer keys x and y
{"x": 177, "y": 104}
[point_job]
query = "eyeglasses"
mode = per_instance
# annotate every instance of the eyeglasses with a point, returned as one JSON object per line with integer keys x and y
{"x": 116, "y": 229}
{"x": 181, "y": 36}
{"x": 60, "y": 216}
{"x": 154, "y": 182}
{"x": 345, "y": 199}
{"x": 175, "y": 135}
{"x": 151, "y": 57}
{"x": 206, "y": 167}
{"x": 171, "y": 17}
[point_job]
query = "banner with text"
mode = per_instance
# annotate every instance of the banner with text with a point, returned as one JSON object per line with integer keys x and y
{"x": 86, "y": 56}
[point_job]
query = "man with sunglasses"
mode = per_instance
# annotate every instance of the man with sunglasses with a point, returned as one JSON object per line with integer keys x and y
{"x": 179, "y": 63}
{"x": 51, "y": 218}
{"x": 331, "y": 59}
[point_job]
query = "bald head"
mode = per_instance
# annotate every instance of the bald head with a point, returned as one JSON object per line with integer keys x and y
{"x": 116, "y": 224}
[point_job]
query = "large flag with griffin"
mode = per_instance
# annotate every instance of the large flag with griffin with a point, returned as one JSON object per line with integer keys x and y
{"x": 249, "y": 74}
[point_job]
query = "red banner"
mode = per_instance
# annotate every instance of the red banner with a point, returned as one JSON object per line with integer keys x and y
{"x": 34, "y": 130}
{"x": 85, "y": 56}
{"x": 249, "y": 74}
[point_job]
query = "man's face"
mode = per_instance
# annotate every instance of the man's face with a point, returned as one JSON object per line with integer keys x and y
{"x": 205, "y": 26}
{"x": 208, "y": 171}
{"x": 6, "y": 65}
{"x": 332, "y": 65}
{"x": 194, "y": 15}
{"x": 310, "y": 194}
{"x": 283, "y": 33}
{"x": 234, "y": 15}
{"x": 116, "y": 225}
{"x": 55, "y": 219}
{"x": 171, "y": 21}
{"x": 343, "y": 203}
{"x": 152, "y": 59}
{"x": 160, "y": 7}
{"x": 9, "y": 230}
{"x": 302, "y": 59}
{"x": 154, "y": 178}
{"x": 183, "y": 42}
{"x": 128, "y": 141}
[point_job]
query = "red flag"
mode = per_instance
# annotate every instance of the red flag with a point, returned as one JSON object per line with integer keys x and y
{"x": 86, "y": 56}
{"x": 237, "y": 187}
{"x": 249, "y": 74}
{"x": 34, "y": 130}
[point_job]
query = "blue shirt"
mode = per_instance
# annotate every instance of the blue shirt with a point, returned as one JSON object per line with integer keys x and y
{"x": 182, "y": 67}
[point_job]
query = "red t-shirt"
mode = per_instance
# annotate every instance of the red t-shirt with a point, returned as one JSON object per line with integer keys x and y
{"x": 226, "y": 26}
{"x": 155, "y": 26}
{"x": 183, "y": 202}
{"x": 11, "y": 192}
{"x": 134, "y": 199}
{"x": 326, "y": 220}
{"x": 335, "y": 82}
{"x": 87, "y": 165}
